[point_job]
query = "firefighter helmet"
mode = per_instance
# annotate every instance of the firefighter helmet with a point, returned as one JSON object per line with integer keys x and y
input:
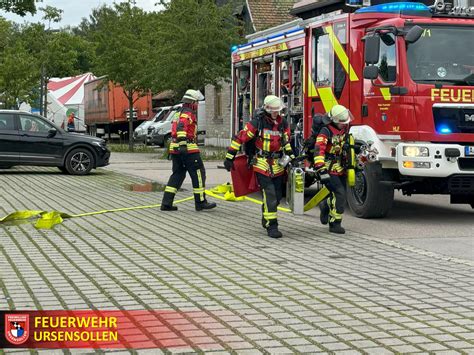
{"x": 340, "y": 114}
{"x": 192, "y": 95}
{"x": 273, "y": 103}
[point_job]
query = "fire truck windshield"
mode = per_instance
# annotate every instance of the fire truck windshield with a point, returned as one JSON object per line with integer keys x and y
{"x": 443, "y": 54}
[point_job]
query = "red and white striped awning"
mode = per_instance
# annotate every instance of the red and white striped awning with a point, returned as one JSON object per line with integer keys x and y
{"x": 70, "y": 90}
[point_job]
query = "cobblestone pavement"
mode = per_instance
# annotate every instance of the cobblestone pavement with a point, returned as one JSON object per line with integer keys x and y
{"x": 309, "y": 292}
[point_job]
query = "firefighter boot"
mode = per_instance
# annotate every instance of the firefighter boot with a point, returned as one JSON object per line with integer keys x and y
{"x": 167, "y": 202}
{"x": 205, "y": 205}
{"x": 335, "y": 227}
{"x": 273, "y": 232}
{"x": 168, "y": 208}
{"x": 324, "y": 212}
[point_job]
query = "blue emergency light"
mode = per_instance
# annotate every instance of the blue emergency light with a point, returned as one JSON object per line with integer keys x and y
{"x": 395, "y": 8}
{"x": 444, "y": 130}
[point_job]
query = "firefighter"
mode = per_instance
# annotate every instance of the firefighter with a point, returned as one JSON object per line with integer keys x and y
{"x": 329, "y": 162}
{"x": 185, "y": 155}
{"x": 270, "y": 135}
{"x": 71, "y": 122}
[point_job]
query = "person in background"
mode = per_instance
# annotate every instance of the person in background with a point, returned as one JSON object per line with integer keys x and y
{"x": 71, "y": 122}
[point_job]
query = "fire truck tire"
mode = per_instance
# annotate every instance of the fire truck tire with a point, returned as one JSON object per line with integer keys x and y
{"x": 369, "y": 198}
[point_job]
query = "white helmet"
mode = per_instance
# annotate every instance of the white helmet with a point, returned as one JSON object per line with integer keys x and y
{"x": 340, "y": 114}
{"x": 192, "y": 95}
{"x": 273, "y": 103}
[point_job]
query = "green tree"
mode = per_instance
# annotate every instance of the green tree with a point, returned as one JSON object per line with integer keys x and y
{"x": 193, "y": 41}
{"x": 19, "y": 75}
{"x": 123, "y": 50}
{"x": 51, "y": 14}
{"x": 5, "y": 32}
{"x": 19, "y": 7}
{"x": 31, "y": 54}
{"x": 19, "y": 72}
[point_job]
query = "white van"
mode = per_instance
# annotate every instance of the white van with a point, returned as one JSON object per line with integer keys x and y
{"x": 160, "y": 133}
{"x": 140, "y": 133}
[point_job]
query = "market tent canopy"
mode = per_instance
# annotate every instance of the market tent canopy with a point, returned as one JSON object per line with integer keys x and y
{"x": 69, "y": 90}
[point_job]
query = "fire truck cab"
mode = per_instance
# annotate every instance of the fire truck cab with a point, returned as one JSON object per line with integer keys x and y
{"x": 406, "y": 72}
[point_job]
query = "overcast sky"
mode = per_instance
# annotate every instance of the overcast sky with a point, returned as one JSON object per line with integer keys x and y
{"x": 74, "y": 10}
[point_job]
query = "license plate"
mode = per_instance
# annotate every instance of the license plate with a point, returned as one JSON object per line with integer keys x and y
{"x": 470, "y": 150}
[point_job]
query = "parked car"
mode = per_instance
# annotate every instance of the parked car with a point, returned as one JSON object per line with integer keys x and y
{"x": 28, "y": 139}
{"x": 140, "y": 133}
{"x": 160, "y": 133}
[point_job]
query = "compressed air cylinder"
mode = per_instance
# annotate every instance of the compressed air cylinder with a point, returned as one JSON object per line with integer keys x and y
{"x": 295, "y": 190}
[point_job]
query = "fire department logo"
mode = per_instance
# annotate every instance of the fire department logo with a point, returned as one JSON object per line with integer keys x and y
{"x": 17, "y": 328}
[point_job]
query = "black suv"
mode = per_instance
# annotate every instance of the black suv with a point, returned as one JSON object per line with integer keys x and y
{"x": 28, "y": 139}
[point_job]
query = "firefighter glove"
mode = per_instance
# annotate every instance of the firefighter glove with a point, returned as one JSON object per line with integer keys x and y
{"x": 228, "y": 164}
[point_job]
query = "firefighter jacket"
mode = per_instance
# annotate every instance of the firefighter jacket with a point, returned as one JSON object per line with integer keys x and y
{"x": 270, "y": 139}
{"x": 184, "y": 131}
{"x": 70, "y": 121}
{"x": 329, "y": 152}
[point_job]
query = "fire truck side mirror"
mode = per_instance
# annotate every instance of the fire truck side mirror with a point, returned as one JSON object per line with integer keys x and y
{"x": 372, "y": 49}
{"x": 413, "y": 34}
{"x": 371, "y": 72}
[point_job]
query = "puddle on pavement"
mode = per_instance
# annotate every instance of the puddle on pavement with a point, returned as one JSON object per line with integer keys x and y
{"x": 146, "y": 187}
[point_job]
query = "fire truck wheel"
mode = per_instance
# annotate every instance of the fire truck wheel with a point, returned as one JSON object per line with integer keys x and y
{"x": 369, "y": 198}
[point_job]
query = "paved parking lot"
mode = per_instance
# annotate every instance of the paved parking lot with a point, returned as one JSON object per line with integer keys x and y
{"x": 309, "y": 292}
{"x": 429, "y": 222}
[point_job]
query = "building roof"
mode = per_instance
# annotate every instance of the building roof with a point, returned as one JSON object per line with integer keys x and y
{"x": 268, "y": 13}
{"x": 305, "y": 5}
{"x": 163, "y": 95}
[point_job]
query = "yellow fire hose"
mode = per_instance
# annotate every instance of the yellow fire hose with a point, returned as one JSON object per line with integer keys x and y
{"x": 316, "y": 199}
{"x": 47, "y": 220}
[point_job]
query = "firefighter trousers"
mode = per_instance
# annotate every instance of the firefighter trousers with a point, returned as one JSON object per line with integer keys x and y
{"x": 191, "y": 163}
{"x": 272, "y": 190}
{"x": 337, "y": 197}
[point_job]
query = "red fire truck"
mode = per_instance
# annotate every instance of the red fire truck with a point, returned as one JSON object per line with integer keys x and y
{"x": 405, "y": 70}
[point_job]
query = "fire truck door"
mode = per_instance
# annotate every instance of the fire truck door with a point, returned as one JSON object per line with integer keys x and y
{"x": 331, "y": 70}
{"x": 381, "y": 107}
